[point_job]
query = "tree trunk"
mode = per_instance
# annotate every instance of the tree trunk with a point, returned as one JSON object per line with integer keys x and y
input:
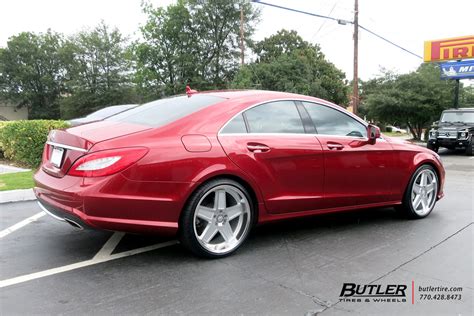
{"x": 412, "y": 130}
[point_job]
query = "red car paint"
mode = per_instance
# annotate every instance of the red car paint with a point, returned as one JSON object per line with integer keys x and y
{"x": 289, "y": 175}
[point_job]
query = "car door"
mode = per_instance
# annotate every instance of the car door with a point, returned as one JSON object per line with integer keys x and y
{"x": 270, "y": 144}
{"x": 356, "y": 171}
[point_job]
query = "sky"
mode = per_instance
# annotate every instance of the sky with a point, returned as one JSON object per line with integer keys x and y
{"x": 406, "y": 22}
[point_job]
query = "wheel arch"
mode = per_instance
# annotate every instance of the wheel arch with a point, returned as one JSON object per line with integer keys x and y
{"x": 424, "y": 160}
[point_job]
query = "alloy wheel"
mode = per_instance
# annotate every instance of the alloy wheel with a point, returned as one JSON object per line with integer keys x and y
{"x": 222, "y": 219}
{"x": 424, "y": 192}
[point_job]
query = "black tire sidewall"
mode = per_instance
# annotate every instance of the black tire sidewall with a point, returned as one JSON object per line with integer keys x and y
{"x": 186, "y": 229}
{"x": 469, "y": 148}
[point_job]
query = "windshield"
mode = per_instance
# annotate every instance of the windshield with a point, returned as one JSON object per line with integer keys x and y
{"x": 165, "y": 111}
{"x": 464, "y": 117}
{"x": 109, "y": 111}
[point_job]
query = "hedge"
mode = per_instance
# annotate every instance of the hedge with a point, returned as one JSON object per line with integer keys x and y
{"x": 23, "y": 141}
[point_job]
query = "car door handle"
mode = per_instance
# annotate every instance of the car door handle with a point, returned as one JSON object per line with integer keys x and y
{"x": 335, "y": 146}
{"x": 257, "y": 148}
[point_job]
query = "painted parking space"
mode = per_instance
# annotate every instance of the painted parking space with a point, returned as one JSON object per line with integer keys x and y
{"x": 39, "y": 243}
{"x": 293, "y": 267}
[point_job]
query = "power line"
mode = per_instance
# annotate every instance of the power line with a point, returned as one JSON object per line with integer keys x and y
{"x": 298, "y": 11}
{"x": 329, "y": 14}
{"x": 390, "y": 42}
{"x": 340, "y": 21}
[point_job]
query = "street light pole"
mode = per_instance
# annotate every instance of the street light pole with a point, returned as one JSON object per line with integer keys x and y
{"x": 242, "y": 49}
{"x": 355, "y": 89}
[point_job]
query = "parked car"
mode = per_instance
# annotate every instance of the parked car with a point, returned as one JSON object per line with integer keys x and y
{"x": 209, "y": 166}
{"x": 455, "y": 129}
{"x": 101, "y": 114}
{"x": 395, "y": 129}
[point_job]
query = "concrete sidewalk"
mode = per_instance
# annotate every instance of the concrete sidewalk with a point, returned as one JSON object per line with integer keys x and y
{"x": 11, "y": 169}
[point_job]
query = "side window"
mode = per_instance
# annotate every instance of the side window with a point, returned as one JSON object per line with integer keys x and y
{"x": 274, "y": 117}
{"x": 235, "y": 126}
{"x": 329, "y": 121}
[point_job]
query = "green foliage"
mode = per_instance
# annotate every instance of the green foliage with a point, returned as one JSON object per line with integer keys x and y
{"x": 2, "y": 125}
{"x": 98, "y": 72}
{"x": 415, "y": 99}
{"x": 23, "y": 141}
{"x": 32, "y": 73}
{"x": 190, "y": 42}
{"x": 466, "y": 98}
{"x": 288, "y": 63}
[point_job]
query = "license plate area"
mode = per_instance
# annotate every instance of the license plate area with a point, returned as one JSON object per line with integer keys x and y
{"x": 57, "y": 156}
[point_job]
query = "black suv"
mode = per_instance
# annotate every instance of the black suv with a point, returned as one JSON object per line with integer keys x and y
{"x": 455, "y": 129}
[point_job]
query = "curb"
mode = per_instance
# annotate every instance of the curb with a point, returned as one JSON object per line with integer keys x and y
{"x": 17, "y": 196}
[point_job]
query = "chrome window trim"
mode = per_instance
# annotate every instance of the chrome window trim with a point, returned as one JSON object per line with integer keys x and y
{"x": 333, "y": 106}
{"x": 299, "y": 134}
{"x": 66, "y": 146}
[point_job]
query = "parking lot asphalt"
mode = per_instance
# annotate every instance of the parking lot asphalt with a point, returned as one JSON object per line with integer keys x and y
{"x": 296, "y": 267}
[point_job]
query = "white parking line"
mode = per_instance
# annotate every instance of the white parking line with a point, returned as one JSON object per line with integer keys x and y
{"x": 74, "y": 266}
{"x": 109, "y": 246}
{"x": 19, "y": 225}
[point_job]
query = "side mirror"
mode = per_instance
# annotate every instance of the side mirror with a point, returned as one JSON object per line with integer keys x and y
{"x": 373, "y": 132}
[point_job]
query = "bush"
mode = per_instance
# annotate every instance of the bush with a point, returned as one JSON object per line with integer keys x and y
{"x": 23, "y": 141}
{"x": 2, "y": 125}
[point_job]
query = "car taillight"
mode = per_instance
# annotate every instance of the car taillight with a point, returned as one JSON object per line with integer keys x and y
{"x": 106, "y": 162}
{"x": 45, "y": 153}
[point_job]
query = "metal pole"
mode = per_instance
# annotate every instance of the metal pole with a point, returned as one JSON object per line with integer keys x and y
{"x": 355, "y": 89}
{"x": 456, "y": 94}
{"x": 242, "y": 35}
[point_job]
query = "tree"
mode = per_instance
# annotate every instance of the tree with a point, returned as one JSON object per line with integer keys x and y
{"x": 98, "y": 71}
{"x": 288, "y": 63}
{"x": 217, "y": 24}
{"x": 32, "y": 73}
{"x": 416, "y": 98}
{"x": 168, "y": 57}
{"x": 191, "y": 42}
{"x": 466, "y": 97}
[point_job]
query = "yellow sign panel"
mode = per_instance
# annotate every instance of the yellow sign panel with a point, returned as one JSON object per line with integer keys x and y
{"x": 448, "y": 49}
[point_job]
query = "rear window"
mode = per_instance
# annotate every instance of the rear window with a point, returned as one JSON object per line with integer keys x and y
{"x": 109, "y": 111}
{"x": 164, "y": 111}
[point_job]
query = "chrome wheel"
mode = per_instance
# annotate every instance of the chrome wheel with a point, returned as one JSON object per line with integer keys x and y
{"x": 424, "y": 192}
{"x": 222, "y": 219}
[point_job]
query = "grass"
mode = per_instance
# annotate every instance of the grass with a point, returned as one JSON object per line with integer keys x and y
{"x": 17, "y": 180}
{"x": 393, "y": 134}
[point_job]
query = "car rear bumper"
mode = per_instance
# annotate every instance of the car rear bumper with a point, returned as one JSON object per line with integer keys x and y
{"x": 113, "y": 203}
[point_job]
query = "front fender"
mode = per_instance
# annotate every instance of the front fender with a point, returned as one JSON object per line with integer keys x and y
{"x": 434, "y": 160}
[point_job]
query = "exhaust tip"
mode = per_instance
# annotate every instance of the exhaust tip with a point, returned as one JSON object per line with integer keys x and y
{"x": 74, "y": 224}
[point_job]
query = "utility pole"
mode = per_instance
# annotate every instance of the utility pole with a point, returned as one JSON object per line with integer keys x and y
{"x": 355, "y": 89}
{"x": 456, "y": 94}
{"x": 242, "y": 35}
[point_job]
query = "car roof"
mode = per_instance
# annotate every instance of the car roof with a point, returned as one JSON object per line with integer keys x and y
{"x": 233, "y": 94}
{"x": 262, "y": 95}
{"x": 460, "y": 109}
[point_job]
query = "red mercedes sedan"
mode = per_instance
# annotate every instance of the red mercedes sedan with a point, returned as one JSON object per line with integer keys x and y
{"x": 209, "y": 166}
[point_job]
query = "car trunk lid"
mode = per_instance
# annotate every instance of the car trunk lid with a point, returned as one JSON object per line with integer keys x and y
{"x": 64, "y": 147}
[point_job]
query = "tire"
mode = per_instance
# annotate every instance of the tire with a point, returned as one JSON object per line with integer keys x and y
{"x": 217, "y": 219}
{"x": 421, "y": 194}
{"x": 470, "y": 147}
{"x": 432, "y": 147}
